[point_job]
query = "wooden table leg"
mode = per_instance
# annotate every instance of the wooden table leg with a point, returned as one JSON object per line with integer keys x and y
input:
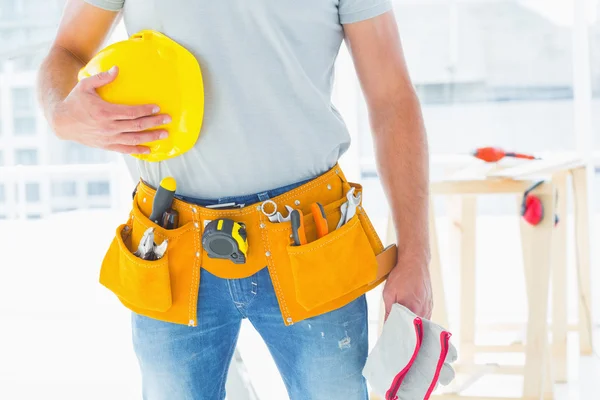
{"x": 529, "y": 275}
{"x": 537, "y": 244}
{"x": 463, "y": 214}
{"x": 559, "y": 282}
{"x": 582, "y": 244}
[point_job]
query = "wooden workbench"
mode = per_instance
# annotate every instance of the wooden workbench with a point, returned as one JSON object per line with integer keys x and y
{"x": 544, "y": 256}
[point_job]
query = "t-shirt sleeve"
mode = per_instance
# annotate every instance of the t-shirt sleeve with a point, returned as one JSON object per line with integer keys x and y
{"x": 358, "y": 10}
{"x": 110, "y": 5}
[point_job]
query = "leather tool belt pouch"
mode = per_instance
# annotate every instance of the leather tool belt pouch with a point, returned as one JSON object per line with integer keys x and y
{"x": 323, "y": 275}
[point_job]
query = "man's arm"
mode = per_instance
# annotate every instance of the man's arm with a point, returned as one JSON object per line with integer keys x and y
{"x": 73, "y": 109}
{"x": 82, "y": 31}
{"x": 401, "y": 153}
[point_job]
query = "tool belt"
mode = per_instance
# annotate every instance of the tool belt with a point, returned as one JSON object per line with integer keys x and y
{"x": 320, "y": 276}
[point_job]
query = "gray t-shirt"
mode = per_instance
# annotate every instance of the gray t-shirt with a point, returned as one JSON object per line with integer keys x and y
{"x": 268, "y": 73}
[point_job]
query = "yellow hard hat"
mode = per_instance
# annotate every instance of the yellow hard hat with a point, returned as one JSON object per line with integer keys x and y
{"x": 154, "y": 69}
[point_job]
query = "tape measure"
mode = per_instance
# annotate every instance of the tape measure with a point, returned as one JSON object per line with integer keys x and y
{"x": 226, "y": 239}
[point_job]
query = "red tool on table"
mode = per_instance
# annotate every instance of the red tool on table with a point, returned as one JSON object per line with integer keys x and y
{"x": 495, "y": 154}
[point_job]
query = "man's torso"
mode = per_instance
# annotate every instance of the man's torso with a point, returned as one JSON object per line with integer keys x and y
{"x": 268, "y": 73}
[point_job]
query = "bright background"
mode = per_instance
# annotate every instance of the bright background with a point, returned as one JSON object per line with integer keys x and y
{"x": 510, "y": 73}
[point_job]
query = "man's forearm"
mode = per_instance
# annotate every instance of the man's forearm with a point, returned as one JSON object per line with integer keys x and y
{"x": 57, "y": 76}
{"x": 402, "y": 157}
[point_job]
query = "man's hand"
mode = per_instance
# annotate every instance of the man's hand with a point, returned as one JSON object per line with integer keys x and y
{"x": 409, "y": 284}
{"x": 74, "y": 109}
{"x": 85, "y": 118}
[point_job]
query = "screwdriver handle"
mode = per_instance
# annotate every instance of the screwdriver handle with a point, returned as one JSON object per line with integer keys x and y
{"x": 170, "y": 219}
{"x": 163, "y": 199}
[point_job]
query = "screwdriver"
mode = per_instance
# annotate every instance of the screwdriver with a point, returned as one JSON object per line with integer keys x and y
{"x": 163, "y": 199}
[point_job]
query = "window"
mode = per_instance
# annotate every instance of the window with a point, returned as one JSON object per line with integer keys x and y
{"x": 32, "y": 192}
{"x": 481, "y": 82}
{"x": 594, "y": 33}
{"x": 23, "y": 100}
{"x": 8, "y": 8}
{"x": 76, "y": 153}
{"x": 25, "y": 126}
{"x": 26, "y": 157}
{"x": 2, "y": 194}
{"x": 34, "y": 216}
{"x": 99, "y": 188}
{"x": 27, "y": 63}
{"x": 63, "y": 209}
{"x": 64, "y": 189}
{"x": 99, "y": 206}
{"x": 41, "y": 7}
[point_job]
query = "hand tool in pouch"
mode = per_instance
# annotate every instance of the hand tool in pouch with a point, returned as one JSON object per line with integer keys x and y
{"x": 170, "y": 219}
{"x": 353, "y": 203}
{"x": 278, "y": 217}
{"x": 148, "y": 249}
{"x": 226, "y": 239}
{"x": 348, "y": 209}
{"x": 298, "y": 233}
{"x": 163, "y": 199}
{"x": 320, "y": 219}
{"x": 146, "y": 246}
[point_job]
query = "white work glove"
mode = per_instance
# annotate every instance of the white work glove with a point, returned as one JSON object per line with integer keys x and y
{"x": 395, "y": 352}
{"x": 430, "y": 367}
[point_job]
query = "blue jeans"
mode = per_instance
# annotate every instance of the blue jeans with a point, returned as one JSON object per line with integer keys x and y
{"x": 318, "y": 358}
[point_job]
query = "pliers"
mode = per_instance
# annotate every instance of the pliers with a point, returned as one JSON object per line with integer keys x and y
{"x": 298, "y": 232}
{"x": 297, "y": 218}
{"x": 318, "y": 213}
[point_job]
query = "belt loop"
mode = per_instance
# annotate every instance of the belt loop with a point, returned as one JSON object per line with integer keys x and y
{"x": 263, "y": 196}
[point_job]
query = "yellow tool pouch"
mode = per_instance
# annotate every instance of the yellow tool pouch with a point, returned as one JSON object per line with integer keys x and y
{"x": 320, "y": 276}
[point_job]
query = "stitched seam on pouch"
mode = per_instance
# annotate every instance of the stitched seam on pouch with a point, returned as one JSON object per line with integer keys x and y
{"x": 350, "y": 229}
{"x": 277, "y": 286}
{"x": 193, "y": 301}
{"x": 161, "y": 263}
{"x": 168, "y": 237}
{"x": 372, "y": 229}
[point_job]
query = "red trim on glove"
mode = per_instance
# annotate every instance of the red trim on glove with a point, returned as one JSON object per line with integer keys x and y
{"x": 445, "y": 344}
{"x": 392, "y": 392}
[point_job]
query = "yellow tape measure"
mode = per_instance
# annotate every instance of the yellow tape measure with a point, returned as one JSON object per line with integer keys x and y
{"x": 226, "y": 239}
